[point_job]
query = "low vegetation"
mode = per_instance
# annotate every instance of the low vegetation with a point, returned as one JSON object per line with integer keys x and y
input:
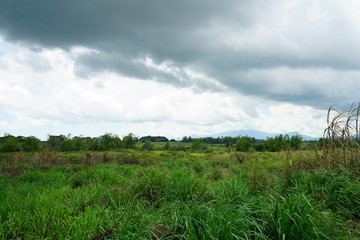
{"x": 186, "y": 190}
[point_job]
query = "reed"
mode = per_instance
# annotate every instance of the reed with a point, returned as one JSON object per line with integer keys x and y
{"x": 341, "y": 148}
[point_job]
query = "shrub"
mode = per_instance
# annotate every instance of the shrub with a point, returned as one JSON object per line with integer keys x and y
{"x": 147, "y": 146}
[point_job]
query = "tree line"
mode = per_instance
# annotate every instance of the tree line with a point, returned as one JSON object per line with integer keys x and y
{"x": 109, "y": 141}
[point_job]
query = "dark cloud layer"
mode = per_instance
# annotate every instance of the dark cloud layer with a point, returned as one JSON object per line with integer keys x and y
{"x": 254, "y": 47}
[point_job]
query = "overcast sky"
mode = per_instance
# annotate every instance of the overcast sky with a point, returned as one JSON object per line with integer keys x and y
{"x": 175, "y": 68}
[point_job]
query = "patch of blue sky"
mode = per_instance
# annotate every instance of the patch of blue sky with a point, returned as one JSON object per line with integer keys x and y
{"x": 265, "y": 109}
{"x": 5, "y": 117}
{"x": 2, "y": 49}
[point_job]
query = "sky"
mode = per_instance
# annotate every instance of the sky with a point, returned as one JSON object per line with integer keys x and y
{"x": 175, "y": 68}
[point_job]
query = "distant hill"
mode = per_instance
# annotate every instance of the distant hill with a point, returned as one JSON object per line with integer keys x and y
{"x": 254, "y": 133}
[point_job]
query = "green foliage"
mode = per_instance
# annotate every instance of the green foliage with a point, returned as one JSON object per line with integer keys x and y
{"x": 129, "y": 142}
{"x": 10, "y": 144}
{"x": 282, "y": 142}
{"x": 147, "y": 146}
{"x": 153, "y": 139}
{"x": 295, "y": 217}
{"x": 135, "y": 194}
{"x": 166, "y": 146}
{"x": 198, "y": 144}
{"x": 109, "y": 141}
{"x": 55, "y": 142}
{"x": 295, "y": 142}
{"x": 31, "y": 144}
{"x": 244, "y": 144}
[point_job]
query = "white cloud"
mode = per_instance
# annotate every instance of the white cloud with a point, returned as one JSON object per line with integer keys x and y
{"x": 155, "y": 74}
{"x": 58, "y": 99}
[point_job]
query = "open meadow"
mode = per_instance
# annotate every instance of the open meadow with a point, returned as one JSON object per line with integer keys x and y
{"x": 179, "y": 120}
{"x": 214, "y": 193}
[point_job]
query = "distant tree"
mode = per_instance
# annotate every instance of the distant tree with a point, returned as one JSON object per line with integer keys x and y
{"x": 129, "y": 141}
{"x": 94, "y": 144}
{"x": 10, "y": 144}
{"x": 66, "y": 145}
{"x": 79, "y": 143}
{"x": 260, "y": 147}
{"x": 244, "y": 144}
{"x": 295, "y": 142}
{"x": 197, "y": 144}
{"x": 153, "y": 139}
{"x": 55, "y": 142}
{"x": 187, "y": 139}
{"x": 282, "y": 142}
{"x": 110, "y": 141}
{"x": 270, "y": 145}
{"x": 228, "y": 141}
{"x": 31, "y": 144}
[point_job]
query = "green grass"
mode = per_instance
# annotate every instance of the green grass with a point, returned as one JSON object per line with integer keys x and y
{"x": 175, "y": 195}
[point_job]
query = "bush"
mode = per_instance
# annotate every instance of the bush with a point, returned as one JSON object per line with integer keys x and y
{"x": 147, "y": 146}
{"x": 244, "y": 144}
{"x": 198, "y": 145}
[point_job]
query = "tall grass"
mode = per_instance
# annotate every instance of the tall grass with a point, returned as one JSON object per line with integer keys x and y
{"x": 180, "y": 199}
{"x": 341, "y": 149}
{"x": 183, "y": 195}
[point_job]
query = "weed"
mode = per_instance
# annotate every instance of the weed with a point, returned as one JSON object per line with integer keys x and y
{"x": 130, "y": 159}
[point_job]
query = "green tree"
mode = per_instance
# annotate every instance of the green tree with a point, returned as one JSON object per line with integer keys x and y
{"x": 110, "y": 141}
{"x": 31, "y": 144}
{"x": 197, "y": 144}
{"x": 129, "y": 141}
{"x": 280, "y": 143}
{"x": 94, "y": 144}
{"x": 244, "y": 144}
{"x": 295, "y": 142}
{"x": 10, "y": 144}
{"x": 54, "y": 142}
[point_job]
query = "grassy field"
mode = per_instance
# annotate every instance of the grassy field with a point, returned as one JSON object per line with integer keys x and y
{"x": 214, "y": 194}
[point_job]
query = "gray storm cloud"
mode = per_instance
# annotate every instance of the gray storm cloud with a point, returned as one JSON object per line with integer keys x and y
{"x": 305, "y": 52}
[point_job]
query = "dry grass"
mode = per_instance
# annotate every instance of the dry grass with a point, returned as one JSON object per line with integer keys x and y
{"x": 97, "y": 158}
{"x": 131, "y": 159}
{"x": 341, "y": 149}
{"x": 48, "y": 157}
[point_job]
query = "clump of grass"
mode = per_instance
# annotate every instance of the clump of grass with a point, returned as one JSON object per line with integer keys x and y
{"x": 199, "y": 168}
{"x": 217, "y": 174}
{"x": 341, "y": 148}
{"x": 257, "y": 177}
{"x": 150, "y": 186}
{"x": 13, "y": 171}
{"x": 97, "y": 158}
{"x": 295, "y": 217}
{"x": 221, "y": 160}
{"x": 240, "y": 158}
{"x": 161, "y": 231}
{"x": 130, "y": 159}
{"x": 178, "y": 195}
{"x": 48, "y": 158}
{"x": 20, "y": 157}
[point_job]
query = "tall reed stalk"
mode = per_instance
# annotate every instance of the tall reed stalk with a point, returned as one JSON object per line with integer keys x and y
{"x": 342, "y": 134}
